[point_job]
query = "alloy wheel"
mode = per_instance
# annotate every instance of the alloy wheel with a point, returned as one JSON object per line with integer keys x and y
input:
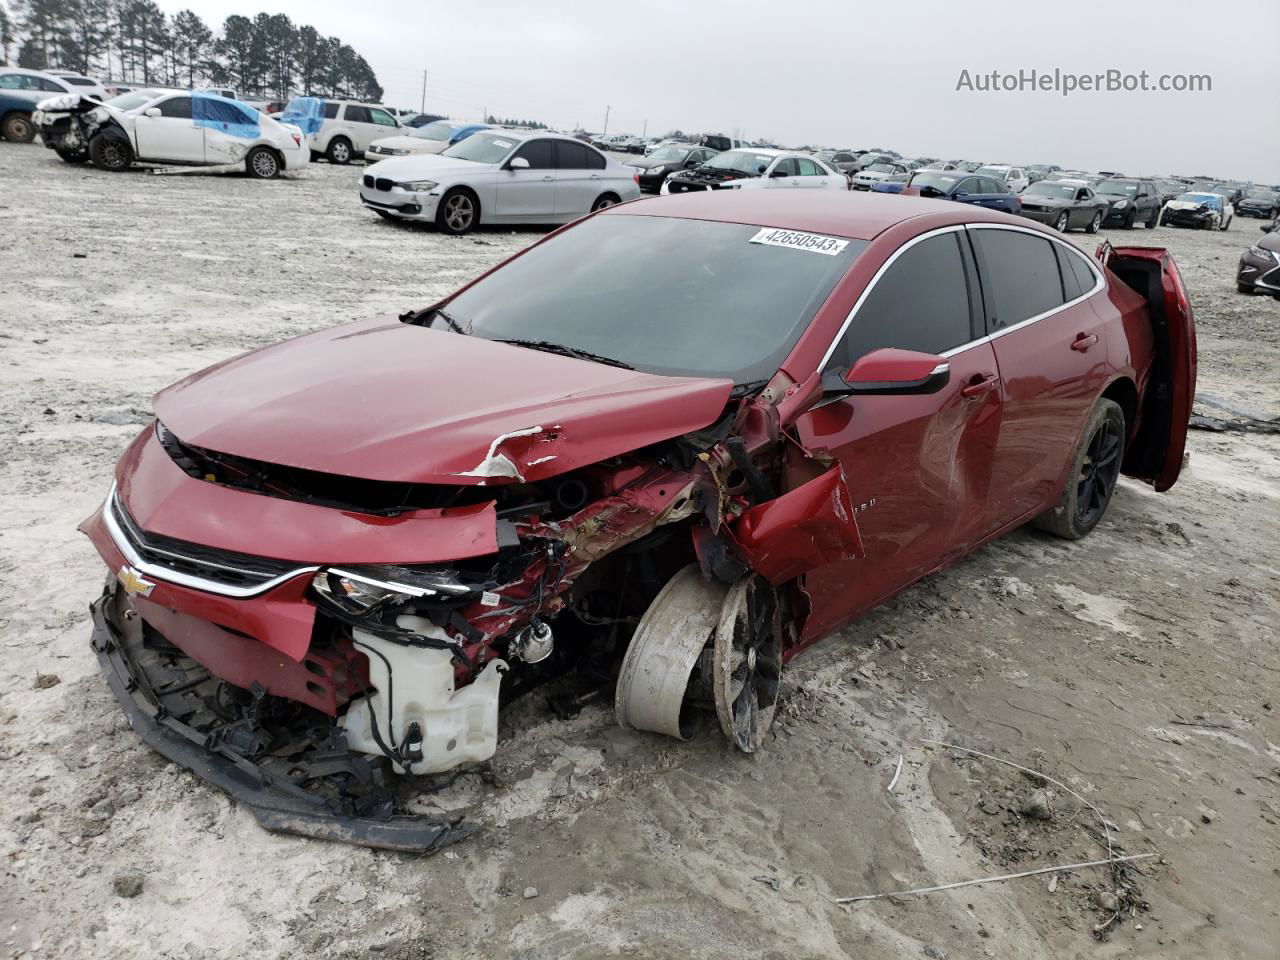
{"x": 1098, "y": 473}
{"x": 747, "y": 662}
{"x": 265, "y": 165}
{"x": 459, "y": 212}
{"x": 1061, "y": 225}
{"x": 113, "y": 155}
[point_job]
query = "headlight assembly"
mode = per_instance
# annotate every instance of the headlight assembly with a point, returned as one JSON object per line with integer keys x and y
{"x": 366, "y": 589}
{"x": 1262, "y": 253}
{"x": 418, "y": 186}
{"x": 1121, "y": 204}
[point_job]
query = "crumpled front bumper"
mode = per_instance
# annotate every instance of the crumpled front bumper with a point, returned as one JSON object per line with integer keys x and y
{"x": 277, "y": 803}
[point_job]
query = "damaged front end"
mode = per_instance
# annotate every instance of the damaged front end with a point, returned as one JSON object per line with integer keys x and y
{"x": 326, "y": 692}
{"x": 69, "y": 122}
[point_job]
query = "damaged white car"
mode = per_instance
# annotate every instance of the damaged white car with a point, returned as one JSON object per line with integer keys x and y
{"x": 169, "y": 127}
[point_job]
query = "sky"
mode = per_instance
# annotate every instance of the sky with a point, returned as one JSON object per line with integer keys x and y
{"x": 842, "y": 74}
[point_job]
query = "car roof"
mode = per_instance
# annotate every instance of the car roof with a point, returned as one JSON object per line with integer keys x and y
{"x": 857, "y": 215}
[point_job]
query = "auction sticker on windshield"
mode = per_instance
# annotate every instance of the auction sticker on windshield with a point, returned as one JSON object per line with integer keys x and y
{"x": 810, "y": 242}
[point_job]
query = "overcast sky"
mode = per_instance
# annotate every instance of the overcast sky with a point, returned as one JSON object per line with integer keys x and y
{"x": 839, "y": 73}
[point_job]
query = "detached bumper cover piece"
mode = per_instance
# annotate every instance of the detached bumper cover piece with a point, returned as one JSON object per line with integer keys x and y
{"x": 278, "y": 803}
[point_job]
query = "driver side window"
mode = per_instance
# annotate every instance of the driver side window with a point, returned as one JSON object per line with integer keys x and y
{"x": 920, "y": 303}
{"x": 785, "y": 168}
{"x": 179, "y": 108}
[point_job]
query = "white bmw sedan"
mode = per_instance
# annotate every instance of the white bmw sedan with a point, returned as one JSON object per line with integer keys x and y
{"x": 499, "y": 177}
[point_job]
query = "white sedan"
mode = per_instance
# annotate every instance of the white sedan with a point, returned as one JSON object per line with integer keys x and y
{"x": 499, "y": 177}
{"x": 884, "y": 170}
{"x": 170, "y": 127}
{"x": 756, "y": 169}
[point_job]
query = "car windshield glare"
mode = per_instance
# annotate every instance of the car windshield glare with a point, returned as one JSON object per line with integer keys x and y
{"x": 936, "y": 181}
{"x": 440, "y": 130}
{"x": 740, "y": 161}
{"x": 663, "y": 295}
{"x": 669, "y": 154}
{"x": 482, "y": 148}
{"x": 1117, "y": 186}
{"x": 133, "y": 100}
{"x": 1063, "y": 191}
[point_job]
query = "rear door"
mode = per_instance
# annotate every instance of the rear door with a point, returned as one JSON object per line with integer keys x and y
{"x": 1155, "y": 455}
{"x": 918, "y": 468}
{"x": 577, "y": 182}
{"x": 529, "y": 193}
{"x": 1052, "y": 359}
{"x": 173, "y": 135}
{"x": 812, "y": 176}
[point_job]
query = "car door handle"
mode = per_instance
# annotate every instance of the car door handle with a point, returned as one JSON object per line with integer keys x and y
{"x": 979, "y": 386}
{"x": 548, "y": 178}
{"x": 1083, "y": 341}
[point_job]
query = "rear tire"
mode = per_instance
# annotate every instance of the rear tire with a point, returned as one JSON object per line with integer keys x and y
{"x": 339, "y": 151}
{"x": 605, "y": 200}
{"x": 262, "y": 163}
{"x": 1226, "y": 223}
{"x": 1095, "y": 223}
{"x": 459, "y": 212}
{"x": 1153, "y": 219}
{"x": 18, "y": 127}
{"x": 113, "y": 155}
{"x": 1091, "y": 481}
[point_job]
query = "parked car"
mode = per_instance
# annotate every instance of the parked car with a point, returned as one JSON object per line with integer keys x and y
{"x": 1259, "y": 269}
{"x": 1169, "y": 189}
{"x": 499, "y": 177}
{"x": 1203, "y": 211}
{"x": 433, "y": 138}
{"x": 1259, "y": 202}
{"x": 843, "y": 160}
{"x": 173, "y": 127}
{"x": 1064, "y": 205}
{"x": 718, "y": 141}
{"x": 979, "y": 191}
{"x": 1131, "y": 201}
{"x": 345, "y": 128}
{"x": 756, "y": 169}
{"x": 87, "y": 86}
{"x": 1042, "y": 171}
{"x": 891, "y": 170}
{"x": 20, "y": 91}
{"x": 872, "y": 156}
{"x": 657, "y": 166}
{"x": 736, "y": 424}
{"x": 1014, "y": 177}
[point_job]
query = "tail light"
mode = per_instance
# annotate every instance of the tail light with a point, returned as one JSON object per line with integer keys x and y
{"x": 636, "y": 178}
{"x": 297, "y": 139}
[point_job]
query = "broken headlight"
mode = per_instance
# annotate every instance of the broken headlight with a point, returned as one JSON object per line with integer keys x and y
{"x": 365, "y": 589}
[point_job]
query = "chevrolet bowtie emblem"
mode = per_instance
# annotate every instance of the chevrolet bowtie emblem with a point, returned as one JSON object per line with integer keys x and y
{"x": 133, "y": 583}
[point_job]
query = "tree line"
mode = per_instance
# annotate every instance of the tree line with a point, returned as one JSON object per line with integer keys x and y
{"x": 134, "y": 42}
{"x": 509, "y": 122}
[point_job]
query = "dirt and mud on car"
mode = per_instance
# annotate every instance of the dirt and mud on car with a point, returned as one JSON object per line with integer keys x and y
{"x": 332, "y": 561}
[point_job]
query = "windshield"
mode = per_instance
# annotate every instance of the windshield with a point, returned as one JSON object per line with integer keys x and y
{"x": 1122, "y": 187}
{"x": 440, "y": 130}
{"x": 1210, "y": 198}
{"x": 482, "y": 148}
{"x": 1063, "y": 191}
{"x": 670, "y": 154}
{"x": 740, "y": 161}
{"x": 1257, "y": 193}
{"x": 131, "y": 101}
{"x": 881, "y": 168}
{"x": 938, "y": 181}
{"x": 997, "y": 172}
{"x": 666, "y": 296}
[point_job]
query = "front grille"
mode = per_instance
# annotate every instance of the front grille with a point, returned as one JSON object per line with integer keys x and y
{"x": 368, "y": 180}
{"x": 223, "y": 567}
{"x": 383, "y": 183}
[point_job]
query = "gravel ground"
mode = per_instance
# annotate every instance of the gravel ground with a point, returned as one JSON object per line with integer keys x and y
{"x": 1136, "y": 668}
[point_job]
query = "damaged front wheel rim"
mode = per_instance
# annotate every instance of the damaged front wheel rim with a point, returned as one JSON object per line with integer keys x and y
{"x": 747, "y": 664}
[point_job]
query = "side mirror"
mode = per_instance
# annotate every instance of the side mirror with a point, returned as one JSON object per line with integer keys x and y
{"x": 692, "y": 162}
{"x": 517, "y": 163}
{"x": 776, "y": 173}
{"x": 151, "y": 112}
{"x": 893, "y": 372}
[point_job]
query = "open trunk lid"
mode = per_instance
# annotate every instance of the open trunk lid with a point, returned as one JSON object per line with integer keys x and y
{"x": 1155, "y": 455}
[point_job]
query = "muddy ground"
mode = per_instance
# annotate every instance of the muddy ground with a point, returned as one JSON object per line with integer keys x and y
{"x": 1137, "y": 667}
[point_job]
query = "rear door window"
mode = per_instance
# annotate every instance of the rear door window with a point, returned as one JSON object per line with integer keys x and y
{"x": 1020, "y": 275}
{"x": 571, "y": 156}
{"x": 920, "y": 303}
{"x": 1075, "y": 262}
{"x": 331, "y": 111}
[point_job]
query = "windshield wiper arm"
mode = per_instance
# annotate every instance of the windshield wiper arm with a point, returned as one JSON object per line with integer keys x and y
{"x": 548, "y": 346}
{"x": 453, "y": 324}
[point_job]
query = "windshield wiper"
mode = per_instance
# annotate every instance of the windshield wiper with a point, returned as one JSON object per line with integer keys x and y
{"x": 453, "y": 324}
{"x": 548, "y": 346}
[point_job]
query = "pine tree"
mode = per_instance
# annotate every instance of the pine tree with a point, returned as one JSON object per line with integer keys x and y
{"x": 192, "y": 41}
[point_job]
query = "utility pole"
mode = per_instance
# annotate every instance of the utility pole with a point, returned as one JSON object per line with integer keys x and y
{"x": 606, "y": 121}
{"x": 424, "y": 92}
{"x": 645, "y": 132}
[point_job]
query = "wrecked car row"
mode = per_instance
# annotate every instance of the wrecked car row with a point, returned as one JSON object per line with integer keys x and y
{"x": 655, "y": 455}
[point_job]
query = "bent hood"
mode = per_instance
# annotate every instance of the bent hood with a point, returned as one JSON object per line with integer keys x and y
{"x": 385, "y": 400}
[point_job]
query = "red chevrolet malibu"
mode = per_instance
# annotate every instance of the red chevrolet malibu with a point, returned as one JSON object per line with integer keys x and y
{"x": 659, "y": 451}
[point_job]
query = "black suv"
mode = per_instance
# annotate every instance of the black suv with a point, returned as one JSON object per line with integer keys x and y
{"x": 1131, "y": 201}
